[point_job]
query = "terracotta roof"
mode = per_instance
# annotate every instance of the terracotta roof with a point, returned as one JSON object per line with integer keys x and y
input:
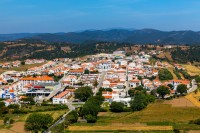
{"x": 38, "y": 78}
{"x": 107, "y": 97}
{"x": 76, "y": 71}
{"x": 62, "y": 94}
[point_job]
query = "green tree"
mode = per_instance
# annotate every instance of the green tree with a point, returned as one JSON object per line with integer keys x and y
{"x": 38, "y": 122}
{"x": 181, "y": 88}
{"x": 131, "y": 92}
{"x": 162, "y": 91}
{"x": 22, "y": 62}
{"x": 2, "y": 104}
{"x": 59, "y": 128}
{"x": 6, "y": 120}
{"x": 86, "y": 71}
{"x": 165, "y": 74}
{"x": 98, "y": 99}
{"x": 139, "y": 88}
{"x": 140, "y": 102}
{"x": 72, "y": 117}
{"x": 13, "y": 106}
{"x": 197, "y": 79}
{"x": 83, "y": 93}
{"x": 91, "y": 108}
{"x": 91, "y": 119}
{"x": 117, "y": 107}
{"x": 170, "y": 86}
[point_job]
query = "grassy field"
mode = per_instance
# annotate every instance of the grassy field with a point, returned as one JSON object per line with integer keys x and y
{"x": 21, "y": 68}
{"x": 18, "y": 126}
{"x": 122, "y": 128}
{"x": 165, "y": 55}
{"x": 194, "y": 98}
{"x": 192, "y": 70}
{"x": 156, "y": 114}
{"x": 171, "y": 70}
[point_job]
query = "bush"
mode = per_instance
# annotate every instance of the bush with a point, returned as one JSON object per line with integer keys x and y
{"x": 117, "y": 107}
{"x": 197, "y": 121}
{"x": 20, "y": 111}
{"x": 12, "y": 121}
{"x": 6, "y": 120}
{"x": 103, "y": 110}
{"x": 72, "y": 117}
{"x": 91, "y": 119}
{"x": 127, "y": 109}
{"x": 165, "y": 74}
{"x": 176, "y": 131}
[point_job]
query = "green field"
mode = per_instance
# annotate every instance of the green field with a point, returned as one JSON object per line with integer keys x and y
{"x": 21, "y": 118}
{"x": 156, "y": 114}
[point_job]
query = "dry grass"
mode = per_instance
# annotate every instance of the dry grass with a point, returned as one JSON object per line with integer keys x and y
{"x": 122, "y": 127}
{"x": 171, "y": 70}
{"x": 22, "y": 67}
{"x": 166, "y": 55}
{"x": 180, "y": 102}
{"x": 194, "y": 98}
{"x": 192, "y": 70}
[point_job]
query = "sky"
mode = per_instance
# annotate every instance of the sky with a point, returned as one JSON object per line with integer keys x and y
{"x": 42, "y": 16}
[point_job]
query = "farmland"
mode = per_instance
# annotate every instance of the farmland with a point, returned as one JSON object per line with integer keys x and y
{"x": 157, "y": 114}
{"x": 192, "y": 70}
{"x": 18, "y": 126}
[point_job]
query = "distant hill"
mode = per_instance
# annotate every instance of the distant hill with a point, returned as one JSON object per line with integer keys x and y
{"x": 142, "y": 36}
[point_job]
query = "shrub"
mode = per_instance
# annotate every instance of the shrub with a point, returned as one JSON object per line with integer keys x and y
{"x": 103, "y": 110}
{"x": 127, "y": 109}
{"x": 6, "y": 120}
{"x": 197, "y": 121}
{"x": 72, "y": 117}
{"x": 12, "y": 121}
{"x": 165, "y": 74}
{"x": 91, "y": 119}
{"x": 117, "y": 107}
{"x": 176, "y": 131}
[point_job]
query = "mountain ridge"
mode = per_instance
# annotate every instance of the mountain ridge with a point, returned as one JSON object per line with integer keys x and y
{"x": 143, "y": 36}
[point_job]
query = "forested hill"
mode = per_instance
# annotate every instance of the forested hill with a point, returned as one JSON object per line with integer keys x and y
{"x": 144, "y": 36}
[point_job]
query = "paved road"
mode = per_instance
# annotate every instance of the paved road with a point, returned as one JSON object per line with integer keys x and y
{"x": 194, "y": 86}
{"x": 56, "y": 90}
{"x": 71, "y": 108}
{"x": 54, "y": 93}
{"x": 100, "y": 82}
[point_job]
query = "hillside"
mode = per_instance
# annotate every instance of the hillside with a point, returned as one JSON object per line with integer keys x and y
{"x": 144, "y": 36}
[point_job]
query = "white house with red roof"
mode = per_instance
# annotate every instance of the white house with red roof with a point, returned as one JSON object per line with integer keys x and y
{"x": 62, "y": 97}
{"x": 134, "y": 83}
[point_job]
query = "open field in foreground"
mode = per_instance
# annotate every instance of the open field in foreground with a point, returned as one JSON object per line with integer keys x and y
{"x": 18, "y": 126}
{"x": 122, "y": 127}
{"x": 156, "y": 114}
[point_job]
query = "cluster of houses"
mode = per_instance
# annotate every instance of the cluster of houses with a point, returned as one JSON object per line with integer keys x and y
{"x": 115, "y": 71}
{"x": 18, "y": 63}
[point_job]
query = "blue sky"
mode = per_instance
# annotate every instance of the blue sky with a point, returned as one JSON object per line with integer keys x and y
{"x": 18, "y": 16}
